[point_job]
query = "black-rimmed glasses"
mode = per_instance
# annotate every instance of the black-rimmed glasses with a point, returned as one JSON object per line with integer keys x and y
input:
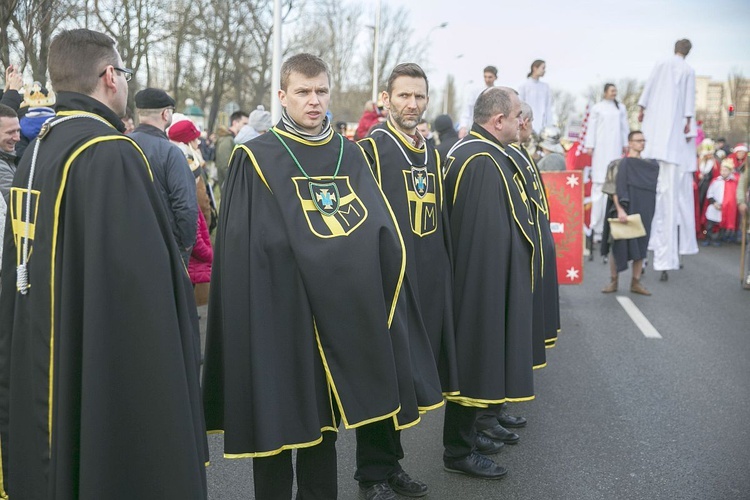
{"x": 125, "y": 71}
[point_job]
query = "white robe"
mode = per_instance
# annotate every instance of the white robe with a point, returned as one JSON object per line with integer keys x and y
{"x": 467, "y": 111}
{"x": 668, "y": 99}
{"x": 688, "y": 244}
{"x": 715, "y": 191}
{"x": 537, "y": 95}
{"x": 607, "y": 133}
{"x": 663, "y": 240}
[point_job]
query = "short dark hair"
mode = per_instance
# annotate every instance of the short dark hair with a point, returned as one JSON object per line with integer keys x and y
{"x": 307, "y": 64}
{"x": 683, "y": 47}
{"x": 491, "y": 102}
{"x": 633, "y": 133}
{"x": 490, "y": 69}
{"x": 406, "y": 69}
{"x": 76, "y": 59}
{"x": 7, "y": 112}
{"x": 237, "y": 115}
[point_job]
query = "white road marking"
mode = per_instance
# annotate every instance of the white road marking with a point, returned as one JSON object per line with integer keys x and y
{"x": 638, "y": 318}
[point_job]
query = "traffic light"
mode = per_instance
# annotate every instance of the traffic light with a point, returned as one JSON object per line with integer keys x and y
{"x": 731, "y": 111}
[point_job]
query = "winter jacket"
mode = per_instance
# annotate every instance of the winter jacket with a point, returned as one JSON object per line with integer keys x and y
{"x": 202, "y": 256}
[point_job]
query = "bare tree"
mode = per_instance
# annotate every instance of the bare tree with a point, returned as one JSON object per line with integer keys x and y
{"x": 335, "y": 30}
{"x": 565, "y": 104}
{"x": 395, "y": 45}
{"x": 7, "y": 7}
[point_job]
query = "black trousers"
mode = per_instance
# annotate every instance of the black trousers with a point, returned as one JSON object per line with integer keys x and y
{"x": 459, "y": 430}
{"x": 316, "y": 473}
{"x": 487, "y": 417}
{"x": 378, "y": 452}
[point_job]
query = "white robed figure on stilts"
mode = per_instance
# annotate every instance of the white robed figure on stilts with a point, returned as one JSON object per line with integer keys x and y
{"x": 667, "y": 110}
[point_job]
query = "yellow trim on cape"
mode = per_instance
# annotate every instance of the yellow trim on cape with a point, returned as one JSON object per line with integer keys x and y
{"x": 400, "y": 137}
{"x": 539, "y": 367}
{"x": 3, "y": 494}
{"x": 255, "y": 163}
{"x": 53, "y": 253}
{"x": 377, "y": 174}
{"x": 295, "y": 446}
{"x": 334, "y": 390}
{"x": 510, "y": 200}
{"x": 484, "y": 403}
{"x": 304, "y": 141}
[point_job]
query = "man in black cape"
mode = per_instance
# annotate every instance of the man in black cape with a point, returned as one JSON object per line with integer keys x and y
{"x": 408, "y": 170}
{"x": 99, "y": 357}
{"x": 494, "y": 241}
{"x": 635, "y": 186}
{"x": 306, "y": 320}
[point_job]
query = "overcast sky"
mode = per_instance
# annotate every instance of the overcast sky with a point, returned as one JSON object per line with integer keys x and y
{"x": 583, "y": 42}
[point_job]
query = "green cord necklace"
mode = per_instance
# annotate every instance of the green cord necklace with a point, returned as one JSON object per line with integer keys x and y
{"x": 325, "y": 196}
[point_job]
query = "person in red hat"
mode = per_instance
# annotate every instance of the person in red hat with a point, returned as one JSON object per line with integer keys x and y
{"x": 202, "y": 255}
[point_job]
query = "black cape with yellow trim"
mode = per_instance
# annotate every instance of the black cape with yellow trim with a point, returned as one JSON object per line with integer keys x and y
{"x": 305, "y": 311}
{"x": 550, "y": 284}
{"x": 532, "y": 202}
{"x": 99, "y": 385}
{"x": 493, "y": 249}
{"x": 414, "y": 189}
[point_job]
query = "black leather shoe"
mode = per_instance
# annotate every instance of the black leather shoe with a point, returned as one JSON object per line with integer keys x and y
{"x": 379, "y": 491}
{"x": 500, "y": 433}
{"x": 403, "y": 484}
{"x": 475, "y": 465}
{"x": 510, "y": 421}
{"x": 487, "y": 446}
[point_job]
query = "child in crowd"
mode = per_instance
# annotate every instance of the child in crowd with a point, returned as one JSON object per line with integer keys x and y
{"x": 721, "y": 205}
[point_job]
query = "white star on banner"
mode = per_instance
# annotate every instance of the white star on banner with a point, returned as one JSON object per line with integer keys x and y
{"x": 572, "y": 274}
{"x": 572, "y": 180}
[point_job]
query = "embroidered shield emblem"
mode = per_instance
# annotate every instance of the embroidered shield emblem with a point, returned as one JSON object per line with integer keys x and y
{"x": 420, "y": 180}
{"x": 420, "y": 194}
{"x": 330, "y": 206}
{"x": 325, "y": 197}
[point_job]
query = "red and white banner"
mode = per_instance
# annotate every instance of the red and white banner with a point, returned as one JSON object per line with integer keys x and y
{"x": 565, "y": 197}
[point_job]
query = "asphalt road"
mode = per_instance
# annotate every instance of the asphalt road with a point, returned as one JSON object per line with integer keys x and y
{"x": 617, "y": 415}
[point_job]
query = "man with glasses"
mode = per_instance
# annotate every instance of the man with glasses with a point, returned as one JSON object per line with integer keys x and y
{"x": 635, "y": 193}
{"x": 99, "y": 386}
{"x": 173, "y": 179}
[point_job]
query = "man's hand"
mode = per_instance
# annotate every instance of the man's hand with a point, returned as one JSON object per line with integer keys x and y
{"x": 462, "y": 132}
{"x": 622, "y": 215}
{"x": 13, "y": 80}
{"x": 640, "y": 115}
{"x": 743, "y": 208}
{"x": 717, "y": 205}
{"x": 687, "y": 127}
{"x": 589, "y": 151}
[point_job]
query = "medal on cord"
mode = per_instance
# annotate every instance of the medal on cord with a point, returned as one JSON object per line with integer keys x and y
{"x": 419, "y": 176}
{"x": 325, "y": 196}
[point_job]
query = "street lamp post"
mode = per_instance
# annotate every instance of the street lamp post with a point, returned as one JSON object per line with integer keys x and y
{"x": 276, "y": 66}
{"x": 375, "y": 55}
